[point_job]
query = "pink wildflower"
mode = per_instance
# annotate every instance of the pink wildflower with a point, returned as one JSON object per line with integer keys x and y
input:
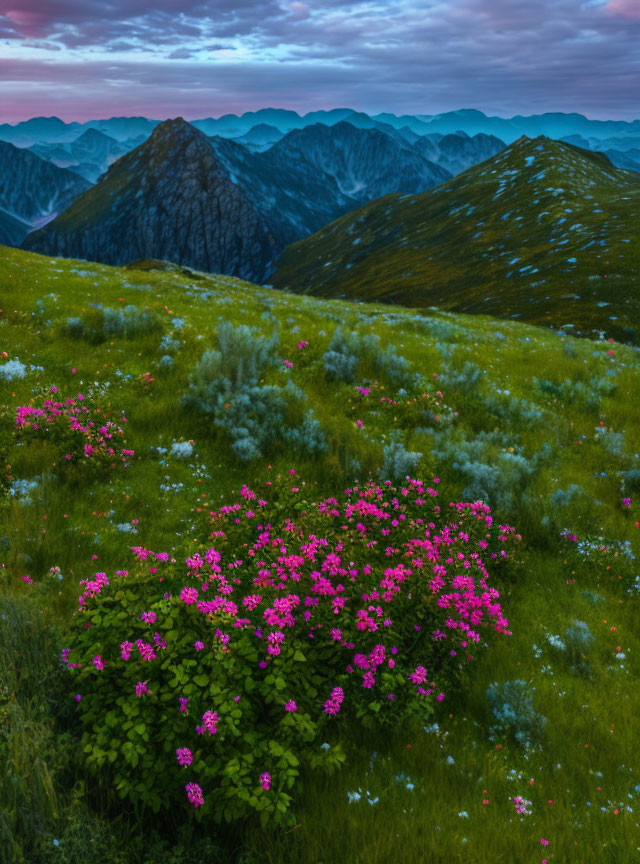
{"x": 210, "y": 720}
{"x": 185, "y": 757}
{"x": 189, "y": 595}
{"x": 141, "y": 687}
{"x": 194, "y": 794}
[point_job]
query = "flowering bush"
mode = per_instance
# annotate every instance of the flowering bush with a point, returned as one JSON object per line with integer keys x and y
{"x": 209, "y": 681}
{"x": 76, "y": 431}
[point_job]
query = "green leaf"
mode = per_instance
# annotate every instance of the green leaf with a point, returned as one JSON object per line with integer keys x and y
{"x": 201, "y": 680}
{"x": 299, "y": 656}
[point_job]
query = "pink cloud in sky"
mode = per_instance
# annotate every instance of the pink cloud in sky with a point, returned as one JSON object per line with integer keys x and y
{"x": 30, "y": 23}
{"x": 624, "y": 9}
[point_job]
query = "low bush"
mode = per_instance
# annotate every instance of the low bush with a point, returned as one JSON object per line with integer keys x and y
{"x": 12, "y": 370}
{"x": 349, "y": 349}
{"x": 76, "y": 430}
{"x": 228, "y": 384}
{"x": 128, "y": 322}
{"x": 511, "y": 704}
{"x": 494, "y": 469}
{"x": 579, "y": 640}
{"x": 211, "y": 682}
{"x": 399, "y": 463}
{"x": 463, "y": 380}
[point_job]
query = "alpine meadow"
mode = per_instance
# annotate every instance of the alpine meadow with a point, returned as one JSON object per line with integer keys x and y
{"x": 320, "y": 433}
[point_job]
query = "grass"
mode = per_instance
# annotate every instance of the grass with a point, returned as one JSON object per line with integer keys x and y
{"x": 543, "y": 232}
{"x": 52, "y": 810}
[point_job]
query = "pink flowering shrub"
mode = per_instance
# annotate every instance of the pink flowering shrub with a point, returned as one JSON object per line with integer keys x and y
{"x": 75, "y": 431}
{"x": 221, "y": 674}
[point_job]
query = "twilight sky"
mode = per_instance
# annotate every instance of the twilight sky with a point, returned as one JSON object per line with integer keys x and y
{"x": 83, "y": 59}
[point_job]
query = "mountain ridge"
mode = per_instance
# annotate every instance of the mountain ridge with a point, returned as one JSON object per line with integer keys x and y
{"x": 520, "y": 235}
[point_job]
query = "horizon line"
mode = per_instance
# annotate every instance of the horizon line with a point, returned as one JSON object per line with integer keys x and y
{"x": 416, "y": 115}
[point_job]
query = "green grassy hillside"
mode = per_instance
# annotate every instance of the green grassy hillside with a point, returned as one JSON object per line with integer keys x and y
{"x": 543, "y": 426}
{"x": 543, "y": 232}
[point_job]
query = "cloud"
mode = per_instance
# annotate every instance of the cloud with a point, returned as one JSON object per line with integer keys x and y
{"x": 625, "y": 9}
{"x": 425, "y": 56}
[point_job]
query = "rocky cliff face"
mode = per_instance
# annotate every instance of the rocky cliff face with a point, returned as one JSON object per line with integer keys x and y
{"x": 171, "y": 198}
{"x": 33, "y": 190}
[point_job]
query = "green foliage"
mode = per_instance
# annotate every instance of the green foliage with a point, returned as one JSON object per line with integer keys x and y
{"x": 141, "y": 705}
{"x": 351, "y": 353}
{"x": 169, "y": 497}
{"x": 129, "y": 322}
{"x": 29, "y": 679}
{"x": 398, "y": 463}
{"x": 227, "y": 384}
{"x": 511, "y": 704}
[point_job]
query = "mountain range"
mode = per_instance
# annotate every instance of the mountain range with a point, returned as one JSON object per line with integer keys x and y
{"x": 455, "y": 140}
{"x": 340, "y": 203}
{"x": 205, "y": 202}
{"x": 544, "y": 231}
{"x": 617, "y": 134}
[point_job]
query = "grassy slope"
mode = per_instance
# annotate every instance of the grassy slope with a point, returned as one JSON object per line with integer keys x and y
{"x": 499, "y": 239}
{"x": 53, "y": 800}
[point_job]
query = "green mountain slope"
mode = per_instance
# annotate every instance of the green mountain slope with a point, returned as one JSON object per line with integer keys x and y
{"x": 543, "y": 231}
{"x": 543, "y": 426}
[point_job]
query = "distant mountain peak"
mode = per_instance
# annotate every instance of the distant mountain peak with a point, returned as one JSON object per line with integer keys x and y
{"x": 171, "y": 127}
{"x": 523, "y": 140}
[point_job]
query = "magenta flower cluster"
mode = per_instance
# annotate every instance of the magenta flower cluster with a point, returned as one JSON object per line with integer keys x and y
{"x": 376, "y": 582}
{"x": 82, "y": 435}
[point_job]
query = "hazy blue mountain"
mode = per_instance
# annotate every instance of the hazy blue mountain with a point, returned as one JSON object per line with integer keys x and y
{"x": 616, "y": 135}
{"x": 123, "y": 128}
{"x": 552, "y": 125}
{"x": 457, "y": 152}
{"x": 295, "y": 196}
{"x": 39, "y": 129}
{"x": 12, "y": 230}
{"x": 629, "y": 159}
{"x": 260, "y": 137}
{"x": 89, "y": 155}
{"x": 32, "y": 190}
